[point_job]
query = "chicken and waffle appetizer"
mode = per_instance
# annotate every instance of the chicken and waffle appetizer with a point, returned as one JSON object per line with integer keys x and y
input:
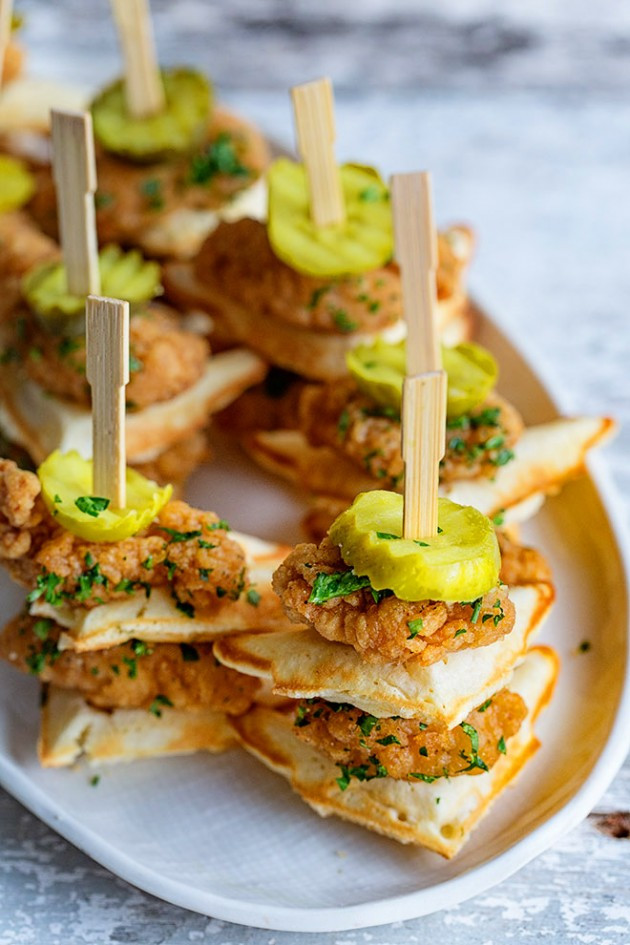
{"x": 121, "y": 611}
{"x": 404, "y": 675}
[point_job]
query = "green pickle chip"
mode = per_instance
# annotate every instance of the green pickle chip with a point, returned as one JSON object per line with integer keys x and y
{"x": 124, "y": 275}
{"x": 66, "y": 480}
{"x": 460, "y": 563}
{"x": 17, "y": 184}
{"x": 363, "y": 242}
{"x": 179, "y": 128}
{"x": 379, "y": 370}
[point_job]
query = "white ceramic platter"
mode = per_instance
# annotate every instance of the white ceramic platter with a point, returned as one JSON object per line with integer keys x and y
{"x": 225, "y": 837}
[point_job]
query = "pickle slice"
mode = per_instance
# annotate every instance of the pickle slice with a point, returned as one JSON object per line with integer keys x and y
{"x": 179, "y": 128}
{"x": 363, "y": 242}
{"x": 17, "y": 184}
{"x": 461, "y": 563}
{"x": 66, "y": 480}
{"x": 124, "y": 275}
{"x": 379, "y": 371}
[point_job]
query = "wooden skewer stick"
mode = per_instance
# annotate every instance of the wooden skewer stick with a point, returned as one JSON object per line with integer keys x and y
{"x": 6, "y": 14}
{"x": 107, "y": 369}
{"x": 417, "y": 254}
{"x": 314, "y": 111}
{"x": 74, "y": 169}
{"x": 423, "y": 444}
{"x": 144, "y": 88}
{"x": 424, "y": 389}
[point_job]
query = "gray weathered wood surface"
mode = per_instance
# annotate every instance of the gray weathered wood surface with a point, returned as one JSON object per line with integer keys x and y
{"x": 532, "y": 144}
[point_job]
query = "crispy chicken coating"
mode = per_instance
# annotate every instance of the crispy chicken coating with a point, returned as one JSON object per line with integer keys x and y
{"x": 133, "y": 198}
{"x": 406, "y": 749}
{"x": 134, "y": 675}
{"x": 185, "y": 549}
{"x": 179, "y": 461}
{"x": 22, "y": 245}
{"x": 339, "y": 415}
{"x": 521, "y": 564}
{"x": 164, "y": 359}
{"x": 380, "y": 630}
{"x": 237, "y": 259}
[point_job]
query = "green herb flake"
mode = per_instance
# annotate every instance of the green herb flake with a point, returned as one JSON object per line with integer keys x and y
{"x": 175, "y": 537}
{"x": 423, "y": 751}
{"x": 300, "y": 718}
{"x": 499, "y": 518}
{"x": 252, "y": 597}
{"x": 219, "y": 158}
{"x": 95, "y": 780}
{"x": 388, "y": 740}
{"x": 387, "y": 536}
{"x": 190, "y": 654}
{"x": 343, "y": 423}
{"x": 339, "y": 584}
{"x": 132, "y": 666}
{"x": 156, "y": 706}
{"x": 366, "y": 723}
{"x": 415, "y": 627}
{"x": 221, "y": 524}
{"x": 484, "y": 705}
{"x": 585, "y": 646}
{"x": 147, "y": 564}
{"x": 501, "y": 746}
{"x": 91, "y": 505}
{"x": 343, "y": 322}
{"x": 427, "y": 778}
{"x": 41, "y": 629}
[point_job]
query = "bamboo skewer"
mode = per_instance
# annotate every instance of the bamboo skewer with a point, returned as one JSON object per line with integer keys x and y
{"x": 314, "y": 111}
{"x": 107, "y": 370}
{"x": 74, "y": 170}
{"x": 144, "y": 88}
{"x": 416, "y": 251}
{"x": 6, "y": 14}
{"x": 424, "y": 388}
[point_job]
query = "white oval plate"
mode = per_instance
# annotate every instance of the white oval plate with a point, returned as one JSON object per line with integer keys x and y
{"x": 225, "y": 837}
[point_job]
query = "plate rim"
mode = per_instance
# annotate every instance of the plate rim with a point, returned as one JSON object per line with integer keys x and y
{"x": 409, "y": 905}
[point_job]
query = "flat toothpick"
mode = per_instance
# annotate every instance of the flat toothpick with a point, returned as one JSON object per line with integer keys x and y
{"x": 144, "y": 88}
{"x": 424, "y": 389}
{"x": 314, "y": 110}
{"x": 107, "y": 368}
{"x": 74, "y": 170}
{"x": 416, "y": 251}
{"x": 6, "y": 14}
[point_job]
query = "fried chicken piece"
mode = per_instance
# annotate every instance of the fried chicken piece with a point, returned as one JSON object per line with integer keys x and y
{"x": 184, "y": 548}
{"x": 133, "y": 675}
{"x": 381, "y": 630}
{"x": 407, "y": 749}
{"x": 22, "y": 511}
{"x": 132, "y": 199}
{"x": 339, "y": 415}
{"x": 272, "y": 405}
{"x": 22, "y": 245}
{"x": 237, "y": 259}
{"x": 179, "y": 461}
{"x": 164, "y": 359}
{"x": 521, "y": 564}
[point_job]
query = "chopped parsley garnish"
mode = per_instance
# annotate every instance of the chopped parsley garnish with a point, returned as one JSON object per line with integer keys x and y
{"x": 474, "y": 760}
{"x": 388, "y": 740}
{"x": 140, "y": 647}
{"x": 300, "y": 718}
{"x": 151, "y": 190}
{"x": 67, "y": 346}
{"x": 126, "y": 585}
{"x": 94, "y": 780}
{"x": 171, "y": 568}
{"x": 252, "y": 597}
{"x": 422, "y": 726}
{"x": 175, "y": 536}
{"x": 41, "y": 628}
{"x": 501, "y": 745}
{"x": 428, "y": 778}
{"x": 316, "y": 296}
{"x": 57, "y": 499}
{"x": 135, "y": 364}
{"x": 459, "y": 632}
{"x": 415, "y": 627}
{"x": 339, "y": 584}
{"x": 343, "y": 423}
{"x": 206, "y": 544}
{"x": 499, "y": 518}
{"x": 585, "y": 646}
{"x": 102, "y": 199}
{"x": 502, "y": 458}
{"x": 387, "y": 536}
{"x": 343, "y": 322}
{"x": 189, "y": 653}
{"x": 222, "y": 524}
{"x": 185, "y": 607}
{"x": 360, "y": 772}
{"x": 91, "y": 504}
{"x": 484, "y": 705}
{"x": 156, "y": 706}
{"x": 147, "y": 564}
{"x": 204, "y": 573}
{"x": 366, "y": 723}
{"x": 37, "y": 658}
{"x": 423, "y": 751}
{"x": 371, "y": 194}
{"x": 219, "y": 158}
{"x": 46, "y": 586}
{"x": 132, "y": 666}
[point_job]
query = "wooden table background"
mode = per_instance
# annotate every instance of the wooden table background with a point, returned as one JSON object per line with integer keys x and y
{"x": 522, "y": 112}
